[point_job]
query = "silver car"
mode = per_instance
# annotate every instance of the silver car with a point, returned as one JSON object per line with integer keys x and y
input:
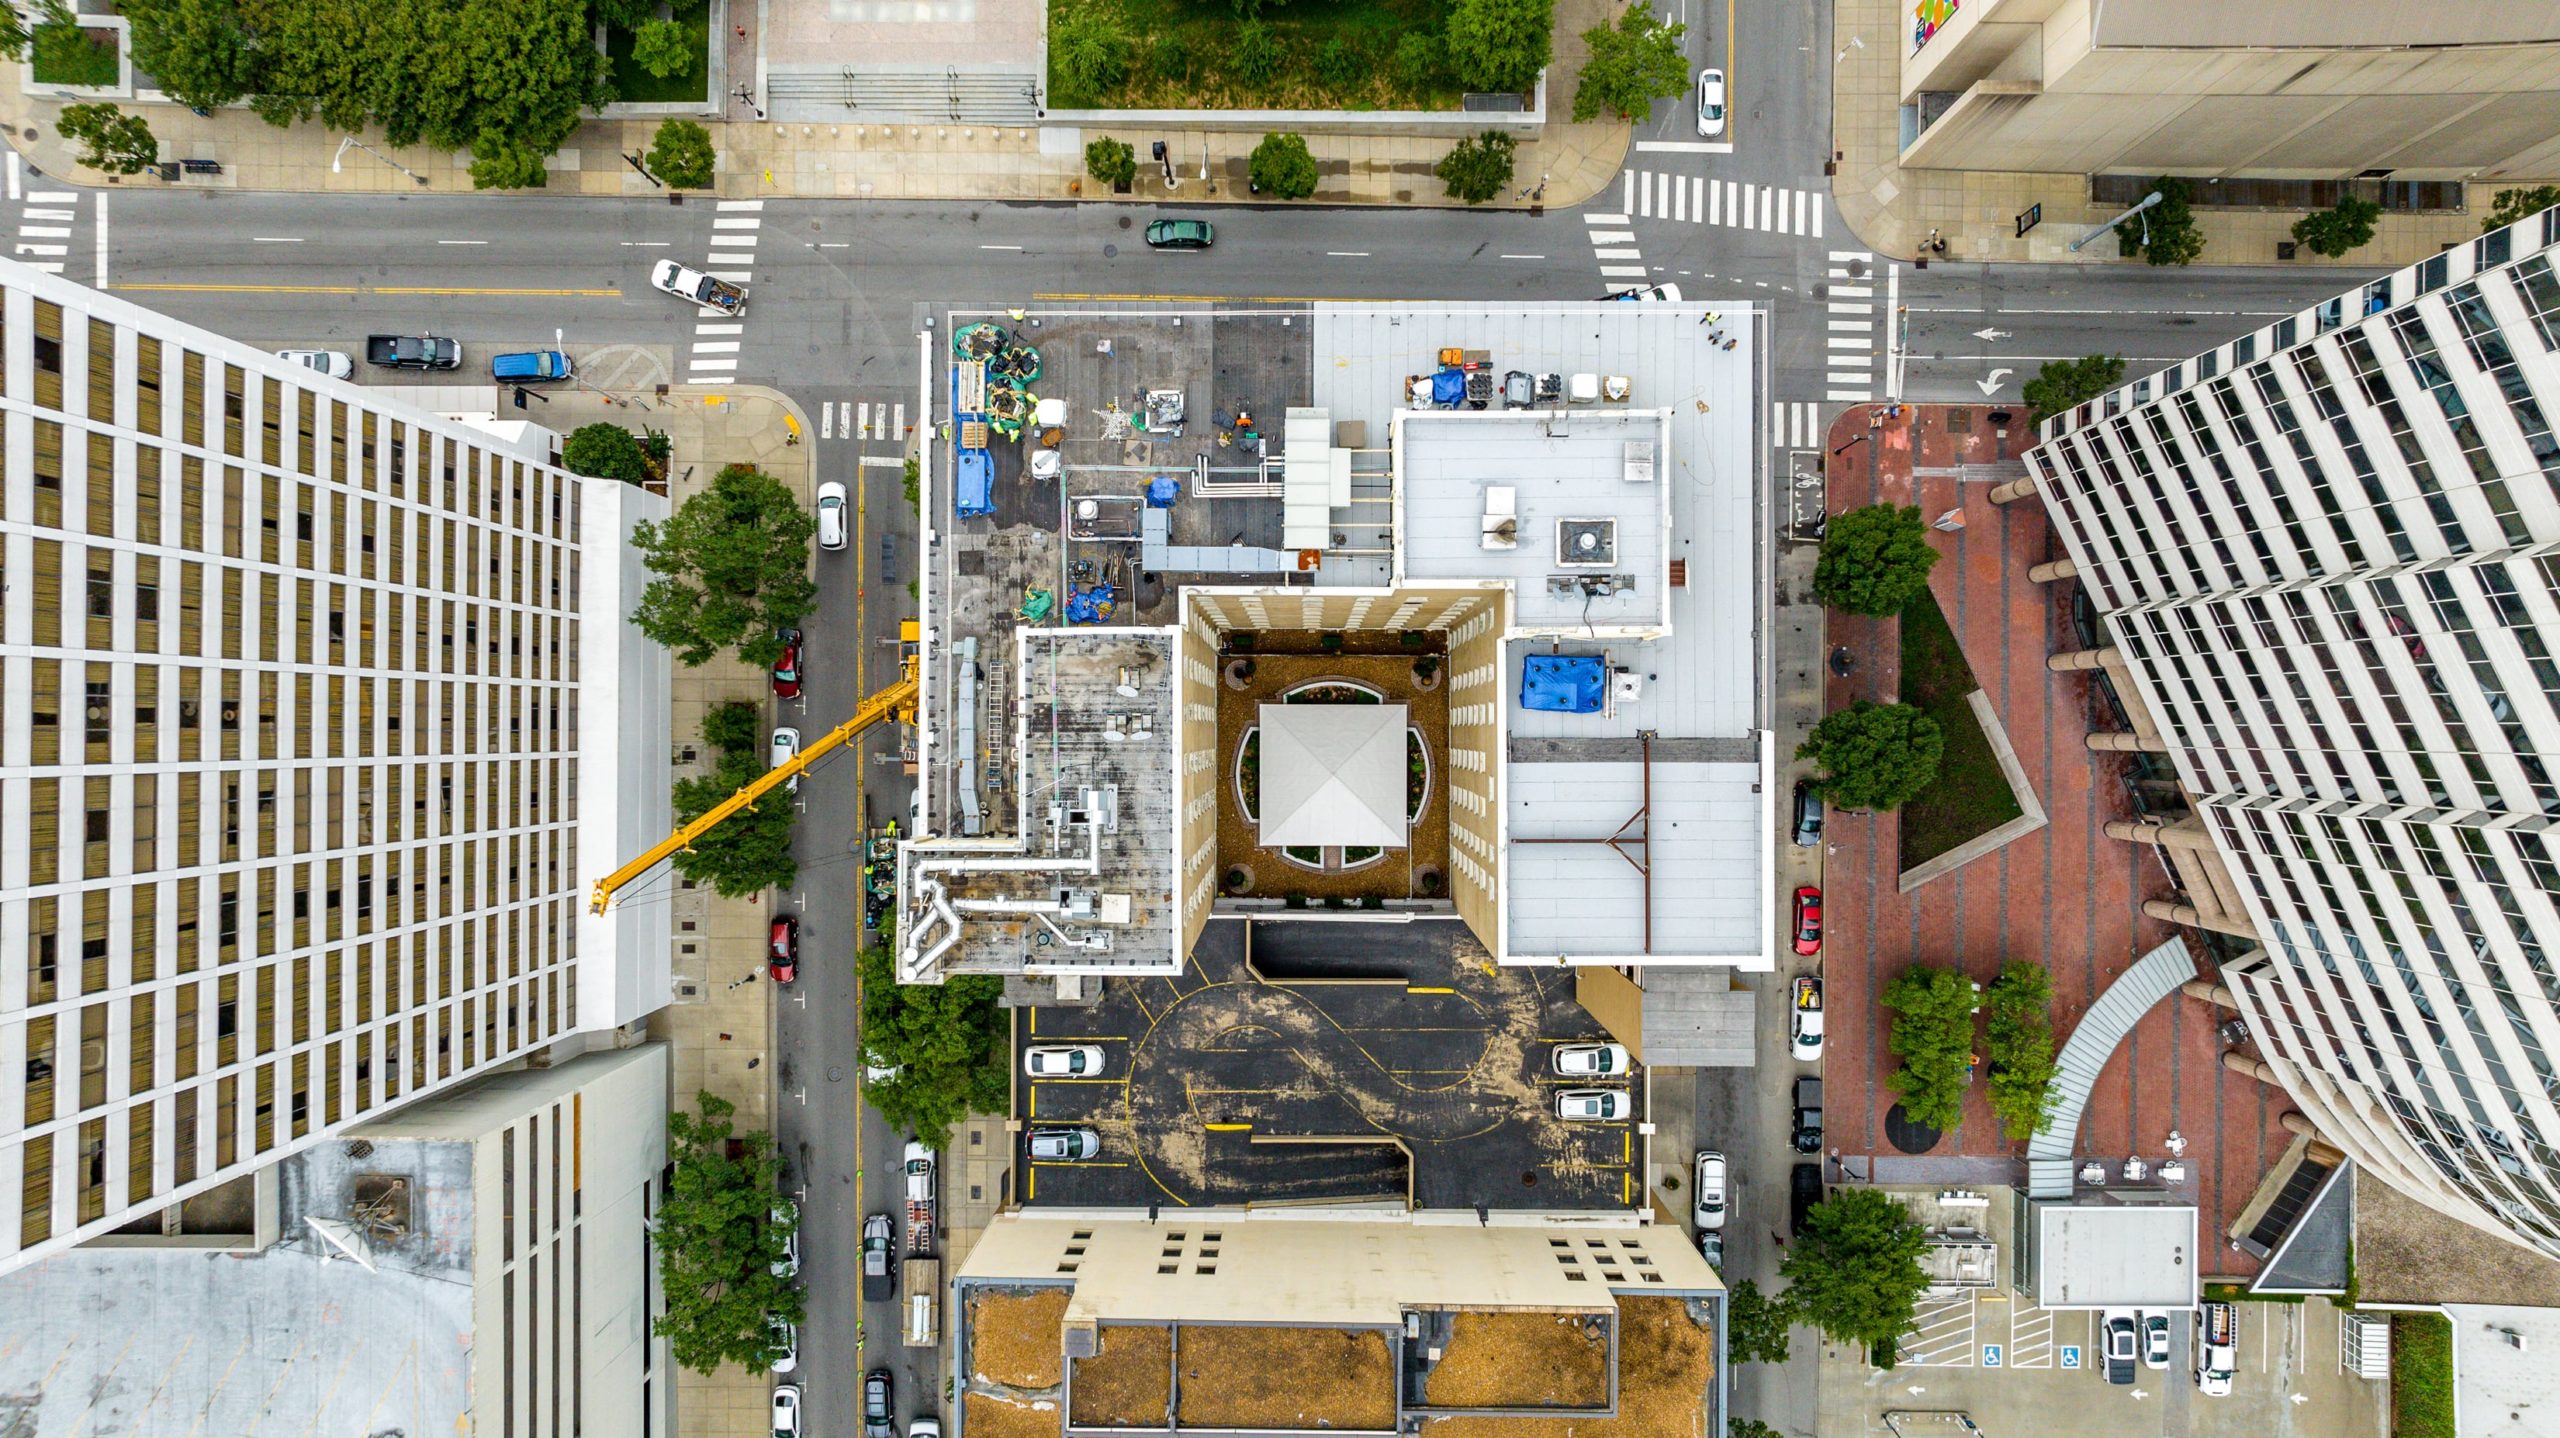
{"x": 336, "y": 364}
{"x": 1593, "y": 1104}
{"x": 1065, "y": 1145}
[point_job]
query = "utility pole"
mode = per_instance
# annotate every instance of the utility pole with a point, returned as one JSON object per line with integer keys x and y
{"x": 2147, "y": 202}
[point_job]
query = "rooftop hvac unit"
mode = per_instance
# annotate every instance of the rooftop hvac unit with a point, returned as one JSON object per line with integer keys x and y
{"x": 1639, "y": 466}
{"x": 1591, "y": 542}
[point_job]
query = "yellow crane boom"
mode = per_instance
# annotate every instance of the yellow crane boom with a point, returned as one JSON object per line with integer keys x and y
{"x": 898, "y": 699}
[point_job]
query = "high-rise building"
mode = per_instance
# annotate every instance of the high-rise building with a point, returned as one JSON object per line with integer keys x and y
{"x": 2327, "y": 555}
{"x": 291, "y": 750}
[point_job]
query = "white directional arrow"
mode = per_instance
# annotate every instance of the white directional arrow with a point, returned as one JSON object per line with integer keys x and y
{"x": 1991, "y": 334}
{"x": 1991, "y": 385}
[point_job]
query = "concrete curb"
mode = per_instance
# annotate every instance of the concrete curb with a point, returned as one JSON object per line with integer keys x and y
{"x": 2032, "y": 819}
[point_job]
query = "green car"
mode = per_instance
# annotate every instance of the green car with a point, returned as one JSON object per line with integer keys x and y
{"x": 1181, "y": 234}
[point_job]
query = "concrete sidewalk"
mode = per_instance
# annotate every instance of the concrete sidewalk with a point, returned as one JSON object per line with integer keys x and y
{"x": 1896, "y": 210}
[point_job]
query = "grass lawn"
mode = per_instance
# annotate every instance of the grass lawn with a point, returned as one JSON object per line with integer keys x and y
{"x": 1178, "y": 51}
{"x": 1972, "y": 797}
{"x": 64, "y": 56}
{"x": 637, "y": 86}
{"x": 2421, "y": 1376}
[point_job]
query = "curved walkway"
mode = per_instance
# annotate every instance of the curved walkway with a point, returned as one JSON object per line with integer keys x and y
{"x": 2153, "y": 977}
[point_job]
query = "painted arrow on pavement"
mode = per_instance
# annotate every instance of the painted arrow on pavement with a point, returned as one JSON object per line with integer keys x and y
{"x": 1992, "y": 385}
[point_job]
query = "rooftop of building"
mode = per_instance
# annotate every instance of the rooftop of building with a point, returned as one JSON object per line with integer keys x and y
{"x": 2320, "y": 25}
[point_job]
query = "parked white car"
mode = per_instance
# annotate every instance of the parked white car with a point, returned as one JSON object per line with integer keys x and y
{"x": 785, "y": 748}
{"x": 1065, "y": 1145}
{"x": 786, "y": 1337}
{"x": 1062, "y": 1061}
{"x": 1600, "y": 1104}
{"x": 336, "y": 364}
{"x": 1583, "y": 1060}
{"x": 786, "y": 1411}
{"x": 1707, "y": 1192}
{"x": 1711, "y": 103}
{"x": 833, "y": 515}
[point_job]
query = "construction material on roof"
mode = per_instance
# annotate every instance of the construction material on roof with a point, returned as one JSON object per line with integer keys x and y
{"x": 974, "y": 487}
{"x": 1333, "y": 774}
{"x": 1564, "y": 683}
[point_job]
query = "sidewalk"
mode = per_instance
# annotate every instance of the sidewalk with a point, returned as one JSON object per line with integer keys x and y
{"x": 1893, "y": 210}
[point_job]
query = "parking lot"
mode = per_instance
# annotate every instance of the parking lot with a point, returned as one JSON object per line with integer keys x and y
{"x": 1392, "y": 1062}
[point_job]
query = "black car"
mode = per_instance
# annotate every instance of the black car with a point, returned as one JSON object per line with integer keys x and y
{"x": 1181, "y": 234}
{"x": 1808, "y": 1114}
{"x": 879, "y": 1412}
{"x": 1804, "y": 1190}
{"x": 1808, "y": 815}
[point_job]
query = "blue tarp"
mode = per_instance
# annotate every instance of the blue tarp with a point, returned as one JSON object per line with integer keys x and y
{"x": 1563, "y": 683}
{"x": 977, "y": 483}
{"x": 1449, "y": 388}
{"x": 1163, "y": 490}
{"x": 1093, "y": 604}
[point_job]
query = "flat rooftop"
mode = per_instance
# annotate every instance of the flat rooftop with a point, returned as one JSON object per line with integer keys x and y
{"x": 2110, "y": 1255}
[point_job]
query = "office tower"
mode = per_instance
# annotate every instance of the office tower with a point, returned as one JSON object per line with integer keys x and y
{"x": 2325, "y": 554}
{"x": 290, "y": 757}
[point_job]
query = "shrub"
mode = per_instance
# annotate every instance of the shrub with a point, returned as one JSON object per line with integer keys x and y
{"x": 605, "y": 451}
{"x": 1874, "y": 560}
{"x": 1476, "y": 170}
{"x": 1933, "y": 1036}
{"x": 2340, "y": 228}
{"x": 1420, "y": 58}
{"x": 2019, "y": 1037}
{"x": 1282, "y": 168}
{"x": 1500, "y": 44}
{"x": 664, "y": 49}
{"x": 1341, "y": 64}
{"x": 1111, "y": 162}
{"x": 1090, "y": 50}
{"x": 1168, "y": 58}
{"x": 2064, "y": 383}
{"x": 1874, "y": 756}
{"x": 682, "y": 156}
{"x": 1255, "y": 61}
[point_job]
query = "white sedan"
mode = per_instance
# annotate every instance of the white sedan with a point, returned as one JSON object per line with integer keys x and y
{"x": 786, "y": 1411}
{"x": 1707, "y": 1205}
{"x": 1711, "y": 102}
{"x": 785, "y": 748}
{"x": 1593, "y": 1104}
{"x": 1062, "y": 1061}
{"x": 336, "y": 364}
{"x": 1582, "y": 1060}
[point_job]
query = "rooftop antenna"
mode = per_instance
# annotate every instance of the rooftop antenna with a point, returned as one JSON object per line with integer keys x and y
{"x": 342, "y": 1238}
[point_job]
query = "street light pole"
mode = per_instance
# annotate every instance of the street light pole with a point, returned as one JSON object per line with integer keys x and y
{"x": 338, "y": 161}
{"x": 2146, "y": 203}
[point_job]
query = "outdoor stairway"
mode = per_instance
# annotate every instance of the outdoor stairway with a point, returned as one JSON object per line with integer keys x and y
{"x": 950, "y": 96}
{"x": 2153, "y": 977}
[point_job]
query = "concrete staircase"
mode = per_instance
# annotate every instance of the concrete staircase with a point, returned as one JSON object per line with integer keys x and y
{"x": 948, "y": 96}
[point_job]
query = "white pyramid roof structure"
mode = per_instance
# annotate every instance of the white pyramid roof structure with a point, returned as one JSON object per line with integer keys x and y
{"x": 1333, "y": 774}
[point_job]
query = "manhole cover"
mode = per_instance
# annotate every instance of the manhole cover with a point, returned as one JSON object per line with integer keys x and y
{"x": 835, "y": 1074}
{"x": 1857, "y": 269}
{"x": 1529, "y": 1178}
{"x": 1110, "y": 252}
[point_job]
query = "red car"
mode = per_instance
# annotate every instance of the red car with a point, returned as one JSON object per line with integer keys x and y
{"x": 1808, "y": 920}
{"x": 786, "y": 670}
{"x": 782, "y": 956}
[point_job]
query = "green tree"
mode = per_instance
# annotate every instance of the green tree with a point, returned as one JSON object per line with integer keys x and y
{"x": 948, "y": 1042}
{"x": 733, "y": 567}
{"x": 498, "y": 165}
{"x": 1476, "y": 170}
{"x": 1933, "y": 1036}
{"x": 720, "y": 1229}
{"x": 1755, "y": 1325}
{"x": 199, "y": 50}
{"x": 912, "y": 480}
{"x": 605, "y": 450}
{"x": 1632, "y": 64}
{"x": 2165, "y": 234}
{"x": 1111, "y": 162}
{"x": 1282, "y": 167}
{"x": 15, "y": 38}
{"x": 1874, "y": 756}
{"x": 110, "y": 139}
{"x": 1420, "y": 57}
{"x": 1854, "y": 1272}
{"x": 1874, "y": 560}
{"x": 1748, "y": 1428}
{"x": 626, "y": 14}
{"x": 2018, "y": 1036}
{"x": 664, "y": 49}
{"x": 683, "y": 156}
{"x": 1255, "y": 59}
{"x": 1500, "y": 45}
{"x": 2064, "y": 383}
{"x": 2514, "y": 205}
{"x": 2342, "y": 227}
{"x": 1088, "y": 50}
{"x": 750, "y": 851}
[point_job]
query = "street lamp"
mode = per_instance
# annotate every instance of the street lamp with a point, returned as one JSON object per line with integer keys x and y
{"x": 2146, "y": 203}
{"x": 338, "y": 161}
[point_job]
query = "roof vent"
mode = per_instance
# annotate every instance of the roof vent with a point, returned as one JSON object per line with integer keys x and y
{"x": 1587, "y": 542}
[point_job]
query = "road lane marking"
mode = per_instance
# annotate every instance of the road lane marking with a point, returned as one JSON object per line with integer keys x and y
{"x": 1341, "y": 254}
{"x": 1621, "y": 272}
{"x": 275, "y": 239}
{"x": 462, "y": 242}
{"x": 196, "y": 289}
{"x": 718, "y": 327}
{"x": 53, "y": 197}
{"x": 1613, "y": 237}
{"x": 50, "y": 214}
{"x": 1685, "y": 147}
{"x": 1524, "y": 257}
{"x": 716, "y": 347}
{"x": 102, "y": 240}
{"x": 13, "y": 174}
{"x": 644, "y": 244}
{"x": 1619, "y": 254}
{"x": 729, "y": 259}
{"x": 740, "y": 223}
{"x": 45, "y": 232}
{"x": 44, "y": 249}
{"x": 1604, "y": 219}
{"x": 1000, "y": 247}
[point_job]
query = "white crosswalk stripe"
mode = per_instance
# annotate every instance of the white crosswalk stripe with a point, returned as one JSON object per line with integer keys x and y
{"x": 1851, "y": 337}
{"x": 731, "y": 256}
{"x": 1794, "y": 424}
{"x": 45, "y": 226}
{"x": 1735, "y": 204}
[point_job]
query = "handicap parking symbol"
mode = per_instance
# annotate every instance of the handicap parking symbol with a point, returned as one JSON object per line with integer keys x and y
{"x": 1991, "y": 1355}
{"x": 2071, "y": 1355}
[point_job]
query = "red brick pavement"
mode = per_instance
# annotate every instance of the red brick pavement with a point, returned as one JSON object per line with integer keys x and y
{"x": 2065, "y": 895}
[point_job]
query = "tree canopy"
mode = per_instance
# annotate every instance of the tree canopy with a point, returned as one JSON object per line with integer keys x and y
{"x": 2064, "y": 383}
{"x": 1282, "y": 168}
{"x": 2019, "y": 1038}
{"x": 1756, "y": 1325}
{"x": 200, "y": 51}
{"x": 2340, "y": 228}
{"x": 1854, "y": 1271}
{"x": 1874, "y": 560}
{"x": 2514, "y": 205}
{"x": 110, "y": 139}
{"x": 682, "y": 155}
{"x": 1475, "y": 170}
{"x": 1500, "y": 45}
{"x": 733, "y": 563}
{"x": 1933, "y": 1036}
{"x": 948, "y": 1042}
{"x": 1632, "y": 64}
{"x": 2165, "y": 234}
{"x": 750, "y": 851}
{"x": 1111, "y": 162}
{"x": 605, "y": 450}
{"x": 1874, "y": 756}
{"x": 720, "y": 1231}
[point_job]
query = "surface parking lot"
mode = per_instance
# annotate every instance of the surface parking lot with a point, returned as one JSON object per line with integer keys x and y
{"x": 1336, "y": 1062}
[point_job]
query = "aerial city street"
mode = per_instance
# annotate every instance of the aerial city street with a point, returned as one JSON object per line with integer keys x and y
{"x": 1506, "y": 719}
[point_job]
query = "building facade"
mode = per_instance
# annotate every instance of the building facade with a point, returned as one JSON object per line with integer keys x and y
{"x": 2327, "y": 562}
{"x": 290, "y": 758}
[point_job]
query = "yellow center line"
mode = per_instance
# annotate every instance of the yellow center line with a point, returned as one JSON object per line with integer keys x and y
{"x": 205, "y": 289}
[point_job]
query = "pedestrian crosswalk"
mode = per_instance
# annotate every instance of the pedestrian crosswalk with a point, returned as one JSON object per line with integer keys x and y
{"x": 1850, "y": 345}
{"x": 862, "y": 421}
{"x": 47, "y": 224}
{"x": 713, "y": 356}
{"x": 1794, "y": 424}
{"x": 1736, "y": 204}
{"x": 1614, "y": 246}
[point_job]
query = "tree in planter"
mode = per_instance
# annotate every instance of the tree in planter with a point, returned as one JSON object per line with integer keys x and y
{"x": 1854, "y": 1272}
{"x": 2064, "y": 383}
{"x": 1756, "y": 1326}
{"x": 2165, "y": 234}
{"x": 110, "y": 139}
{"x": 1500, "y": 45}
{"x": 2514, "y": 205}
{"x": 1476, "y": 170}
{"x": 1933, "y": 1036}
{"x": 605, "y": 450}
{"x": 1874, "y": 560}
{"x": 948, "y": 1042}
{"x": 1282, "y": 168}
{"x": 199, "y": 50}
{"x": 733, "y": 567}
{"x": 683, "y": 155}
{"x": 664, "y": 49}
{"x": 720, "y": 1233}
{"x": 750, "y": 851}
{"x": 2340, "y": 228}
{"x": 1632, "y": 64}
{"x": 1874, "y": 756}
{"x": 1111, "y": 162}
{"x": 2019, "y": 1036}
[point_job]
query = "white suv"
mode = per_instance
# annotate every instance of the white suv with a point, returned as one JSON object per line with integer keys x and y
{"x": 1707, "y": 1203}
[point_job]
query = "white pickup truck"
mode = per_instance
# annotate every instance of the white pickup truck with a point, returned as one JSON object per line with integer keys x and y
{"x": 705, "y": 290}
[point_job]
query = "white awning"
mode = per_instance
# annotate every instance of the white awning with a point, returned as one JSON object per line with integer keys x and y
{"x": 1333, "y": 774}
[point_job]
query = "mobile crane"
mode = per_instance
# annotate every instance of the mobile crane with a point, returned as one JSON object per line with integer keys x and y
{"x": 898, "y": 699}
